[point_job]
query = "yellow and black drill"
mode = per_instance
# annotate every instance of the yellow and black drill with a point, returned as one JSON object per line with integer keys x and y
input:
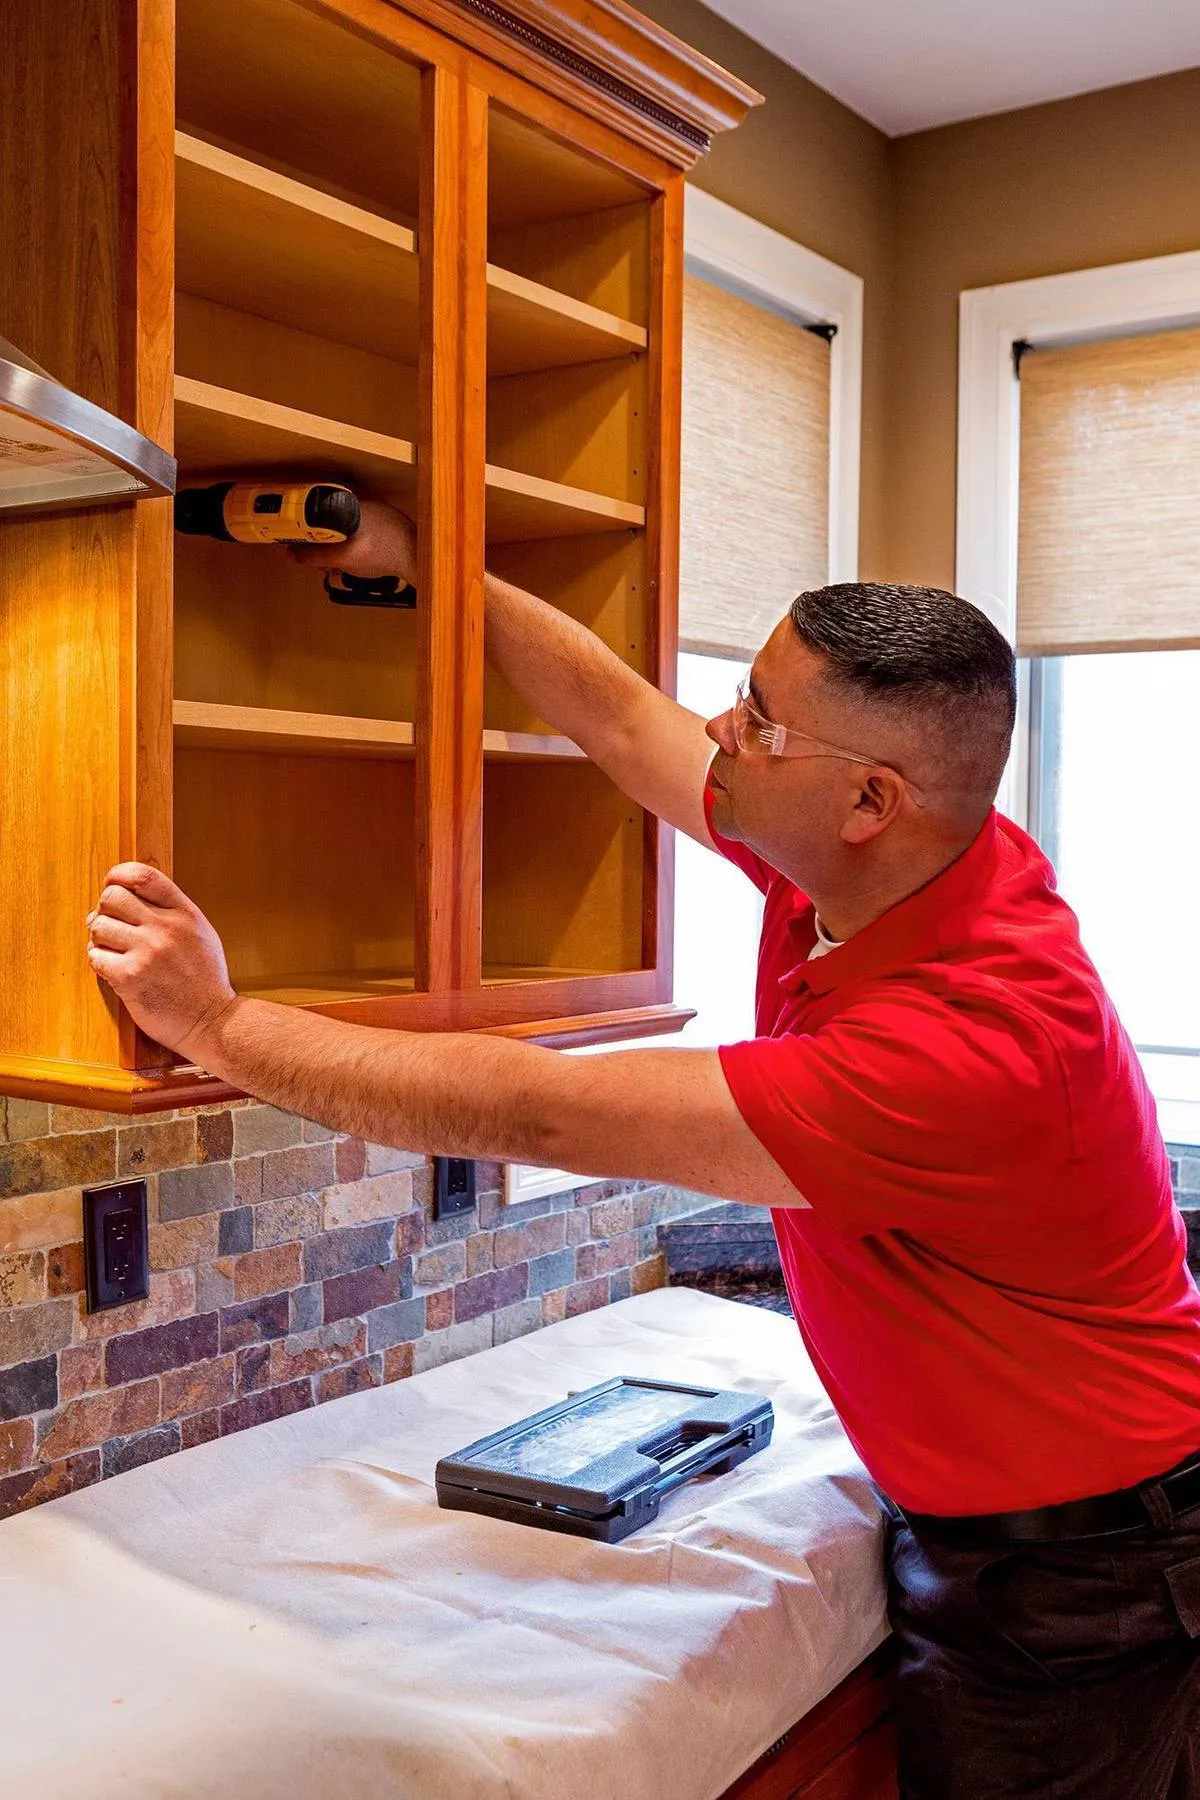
{"x": 321, "y": 512}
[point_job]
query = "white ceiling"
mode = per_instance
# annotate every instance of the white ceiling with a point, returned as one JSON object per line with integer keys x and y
{"x": 909, "y": 64}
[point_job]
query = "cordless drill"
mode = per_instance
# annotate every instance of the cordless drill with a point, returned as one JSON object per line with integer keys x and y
{"x": 322, "y": 512}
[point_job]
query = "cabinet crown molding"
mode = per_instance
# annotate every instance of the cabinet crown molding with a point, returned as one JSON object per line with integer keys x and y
{"x": 612, "y": 49}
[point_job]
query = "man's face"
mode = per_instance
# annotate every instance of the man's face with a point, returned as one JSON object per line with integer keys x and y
{"x": 791, "y": 809}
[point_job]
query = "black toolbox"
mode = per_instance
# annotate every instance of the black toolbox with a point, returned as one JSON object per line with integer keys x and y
{"x": 598, "y": 1463}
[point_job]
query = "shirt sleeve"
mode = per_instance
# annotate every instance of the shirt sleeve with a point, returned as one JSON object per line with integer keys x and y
{"x": 761, "y": 873}
{"x": 906, "y": 1113}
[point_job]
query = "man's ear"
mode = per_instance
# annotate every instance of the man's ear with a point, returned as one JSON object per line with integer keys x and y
{"x": 876, "y": 804}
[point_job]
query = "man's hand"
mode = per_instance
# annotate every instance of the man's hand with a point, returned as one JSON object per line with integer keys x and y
{"x": 384, "y": 544}
{"x": 160, "y": 955}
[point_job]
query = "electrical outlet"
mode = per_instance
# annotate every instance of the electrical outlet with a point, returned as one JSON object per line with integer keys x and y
{"x": 116, "y": 1247}
{"x": 453, "y": 1186}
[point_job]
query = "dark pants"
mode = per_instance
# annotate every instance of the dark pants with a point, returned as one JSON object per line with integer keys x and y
{"x": 1066, "y": 1671}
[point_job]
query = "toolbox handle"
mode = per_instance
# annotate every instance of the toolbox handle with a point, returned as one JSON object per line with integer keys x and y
{"x": 684, "y": 1453}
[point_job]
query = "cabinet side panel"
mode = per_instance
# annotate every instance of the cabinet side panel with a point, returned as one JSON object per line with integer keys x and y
{"x": 60, "y": 601}
{"x": 65, "y": 579}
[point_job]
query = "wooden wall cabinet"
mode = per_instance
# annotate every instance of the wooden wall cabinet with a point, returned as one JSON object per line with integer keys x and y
{"x": 429, "y": 247}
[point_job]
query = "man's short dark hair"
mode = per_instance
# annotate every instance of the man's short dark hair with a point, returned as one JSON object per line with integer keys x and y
{"x": 926, "y": 656}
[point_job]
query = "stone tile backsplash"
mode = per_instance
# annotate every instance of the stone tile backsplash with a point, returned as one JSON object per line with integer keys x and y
{"x": 289, "y": 1266}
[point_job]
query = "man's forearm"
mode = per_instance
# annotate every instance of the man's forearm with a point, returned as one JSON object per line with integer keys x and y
{"x": 650, "y": 1115}
{"x": 653, "y": 1115}
{"x": 560, "y": 669}
{"x": 446, "y": 1094}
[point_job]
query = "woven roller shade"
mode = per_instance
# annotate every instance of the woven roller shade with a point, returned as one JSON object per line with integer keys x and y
{"x": 1109, "y": 524}
{"x": 755, "y": 518}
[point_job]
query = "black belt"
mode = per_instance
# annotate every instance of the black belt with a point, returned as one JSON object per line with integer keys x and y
{"x": 1158, "y": 1502}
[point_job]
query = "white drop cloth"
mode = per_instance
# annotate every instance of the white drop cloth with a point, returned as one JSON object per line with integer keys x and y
{"x": 286, "y": 1613}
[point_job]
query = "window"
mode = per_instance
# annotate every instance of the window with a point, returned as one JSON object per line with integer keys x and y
{"x": 772, "y": 378}
{"x": 1116, "y": 740}
{"x": 1079, "y": 528}
{"x": 718, "y": 913}
{"x": 755, "y": 488}
{"x": 761, "y": 290}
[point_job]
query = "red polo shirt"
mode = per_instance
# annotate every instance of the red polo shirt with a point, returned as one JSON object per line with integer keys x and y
{"x": 990, "y": 1274}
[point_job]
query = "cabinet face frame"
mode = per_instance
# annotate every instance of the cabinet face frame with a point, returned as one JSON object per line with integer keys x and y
{"x": 463, "y": 71}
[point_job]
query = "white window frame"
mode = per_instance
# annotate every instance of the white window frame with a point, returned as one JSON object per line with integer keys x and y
{"x": 729, "y": 247}
{"x": 1117, "y": 300}
{"x": 722, "y": 244}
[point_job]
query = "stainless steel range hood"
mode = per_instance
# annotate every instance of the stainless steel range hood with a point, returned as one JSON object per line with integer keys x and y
{"x": 57, "y": 450}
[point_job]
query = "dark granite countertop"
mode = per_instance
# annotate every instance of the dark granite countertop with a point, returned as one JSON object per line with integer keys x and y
{"x": 728, "y": 1250}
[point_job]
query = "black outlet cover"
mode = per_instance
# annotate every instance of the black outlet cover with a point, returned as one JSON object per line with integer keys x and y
{"x": 116, "y": 1248}
{"x": 453, "y": 1186}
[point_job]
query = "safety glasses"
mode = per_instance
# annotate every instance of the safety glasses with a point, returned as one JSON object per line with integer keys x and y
{"x": 752, "y": 731}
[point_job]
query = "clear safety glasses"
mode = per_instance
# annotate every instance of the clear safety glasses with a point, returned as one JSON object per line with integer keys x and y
{"x": 751, "y": 731}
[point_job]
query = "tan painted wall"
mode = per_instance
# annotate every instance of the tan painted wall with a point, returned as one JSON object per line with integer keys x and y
{"x": 1106, "y": 177}
{"x": 809, "y": 167}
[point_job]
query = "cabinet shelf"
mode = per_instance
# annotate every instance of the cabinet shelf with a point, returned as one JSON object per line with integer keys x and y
{"x": 521, "y": 507}
{"x": 531, "y": 326}
{"x": 325, "y": 987}
{"x": 206, "y": 725}
{"x": 257, "y": 240}
{"x": 331, "y": 987}
{"x": 219, "y": 432}
{"x": 273, "y": 246}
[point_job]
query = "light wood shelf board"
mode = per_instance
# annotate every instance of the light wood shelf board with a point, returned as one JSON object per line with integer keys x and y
{"x": 498, "y": 974}
{"x": 313, "y": 181}
{"x": 530, "y": 326}
{"x": 219, "y": 432}
{"x": 257, "y": 240}
{"x": 325, "y": 986}
{"x": 228, "y": 168}
{"x": 211, "y": 725}
{"x": 529, "y": 746}
{"x": 201, "y": 724}
{"x": 520, "y": 507}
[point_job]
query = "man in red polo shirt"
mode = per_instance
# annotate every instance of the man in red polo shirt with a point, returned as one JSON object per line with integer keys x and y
{"x": 970, "y": 1192}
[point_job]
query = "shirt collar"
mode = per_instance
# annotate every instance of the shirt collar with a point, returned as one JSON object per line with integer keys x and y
{"x": 908, "y": 932}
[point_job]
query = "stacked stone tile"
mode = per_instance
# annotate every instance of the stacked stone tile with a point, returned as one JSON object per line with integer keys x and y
{"x": 289, "y": 1266}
